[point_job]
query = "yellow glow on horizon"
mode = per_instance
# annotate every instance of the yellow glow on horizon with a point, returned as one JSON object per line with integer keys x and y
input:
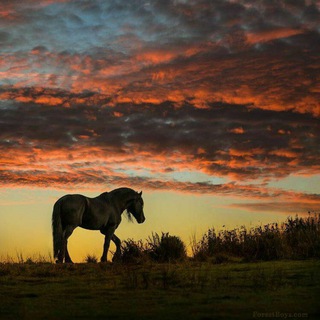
{"x": 25, "y": 226}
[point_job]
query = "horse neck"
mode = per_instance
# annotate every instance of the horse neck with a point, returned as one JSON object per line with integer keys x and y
{"x": 122, "y": 197}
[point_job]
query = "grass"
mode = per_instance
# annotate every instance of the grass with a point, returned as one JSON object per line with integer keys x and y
{"x": 194, "y": 290}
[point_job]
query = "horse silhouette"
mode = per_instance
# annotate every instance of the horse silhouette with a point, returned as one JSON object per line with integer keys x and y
{"x": 101, "y": 213}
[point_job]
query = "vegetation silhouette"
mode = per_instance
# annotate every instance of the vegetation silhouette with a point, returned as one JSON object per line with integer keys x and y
{"x": 101, "y": 213}
{"x": 296, "y": 238}
{"x": 164, "y": 248}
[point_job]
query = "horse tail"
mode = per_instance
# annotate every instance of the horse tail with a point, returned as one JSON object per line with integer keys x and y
{"x": 57, "y": 232}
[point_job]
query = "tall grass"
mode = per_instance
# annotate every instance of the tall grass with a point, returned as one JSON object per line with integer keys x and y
{"x": 296, "y": 238}
{"x": 21, "y": 258}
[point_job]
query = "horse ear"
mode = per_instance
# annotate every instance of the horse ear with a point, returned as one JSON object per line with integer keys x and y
{"x": 140, "y": 193}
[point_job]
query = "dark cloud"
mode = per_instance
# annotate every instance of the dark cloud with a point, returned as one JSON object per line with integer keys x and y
{"x": 224, "y": 139}
{"x": 158, "y": 21}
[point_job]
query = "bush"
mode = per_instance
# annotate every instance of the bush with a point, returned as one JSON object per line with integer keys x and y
{"x": 132, "y": 251}
{"x": 166, "y": 248}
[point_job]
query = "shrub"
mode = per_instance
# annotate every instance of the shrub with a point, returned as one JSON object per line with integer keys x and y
{"x": 166, "y": 248}
{"x": 132, "y": 251}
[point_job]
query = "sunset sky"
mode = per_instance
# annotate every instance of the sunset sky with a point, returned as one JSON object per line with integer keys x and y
{"x": 212, "y": 108}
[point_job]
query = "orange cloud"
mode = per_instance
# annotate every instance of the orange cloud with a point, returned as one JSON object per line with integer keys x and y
{"x": 156, "y": 57}
{"x": 264, "y": 36}
{"x": 118, "y": 114}
{"x": 285, "y": 153}
{"x": 238, "y": 130}
{"x": 51, "y": 101}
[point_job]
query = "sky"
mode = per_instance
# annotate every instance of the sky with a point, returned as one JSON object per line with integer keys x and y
{"x": 211, "y": 108}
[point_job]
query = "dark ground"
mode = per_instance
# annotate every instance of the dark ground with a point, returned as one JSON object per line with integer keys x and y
{"x": 191, "y": 290}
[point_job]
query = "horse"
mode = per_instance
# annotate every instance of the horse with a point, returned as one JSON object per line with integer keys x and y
{"x": 100, "y": 213}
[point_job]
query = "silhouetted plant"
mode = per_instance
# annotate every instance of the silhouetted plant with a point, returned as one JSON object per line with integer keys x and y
{"x": 302, "y": 236}
{"x": 132, "y": 251}
{"x": 166, "y": 248}
{"x": 296, "y": 238}
{"x": 29, "y": 260}
{"x": 91, "y": 258}
{"x": 206, "y": 247}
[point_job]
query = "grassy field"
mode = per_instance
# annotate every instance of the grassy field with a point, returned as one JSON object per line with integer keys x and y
{"x": 192, "y": 290}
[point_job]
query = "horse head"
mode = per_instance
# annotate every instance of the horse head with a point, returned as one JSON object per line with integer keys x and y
{"x": 135, "y": 207}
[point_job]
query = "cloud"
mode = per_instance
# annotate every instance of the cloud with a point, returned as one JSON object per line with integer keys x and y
{"x": 99, "y": 177}
{"x": 265, "y": 36}
{"x": 265, "y": 79}
{"x": 239, "y": 52}
{"x": 235, "y": 140}
{"x": 139, "y": 90}
{"x": 291, "y": 208}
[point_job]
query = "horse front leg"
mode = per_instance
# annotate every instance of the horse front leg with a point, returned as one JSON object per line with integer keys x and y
{"x": 117, "y": 242}
{"x": 67, "y": 256}
{"x": 108, "y": 235}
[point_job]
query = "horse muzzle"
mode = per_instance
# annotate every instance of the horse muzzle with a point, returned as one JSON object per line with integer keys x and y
{"x": 141, "y": 220}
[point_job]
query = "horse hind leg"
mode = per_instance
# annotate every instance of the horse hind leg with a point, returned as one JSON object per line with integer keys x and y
{"x": 68, "y": 233}
{"x": 67, "y": 257}
{"x": 64, "y": 253}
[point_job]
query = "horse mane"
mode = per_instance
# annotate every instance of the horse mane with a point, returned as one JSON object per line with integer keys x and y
{"x": 125, "y": 190}
{"x": 129, "y": 215}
